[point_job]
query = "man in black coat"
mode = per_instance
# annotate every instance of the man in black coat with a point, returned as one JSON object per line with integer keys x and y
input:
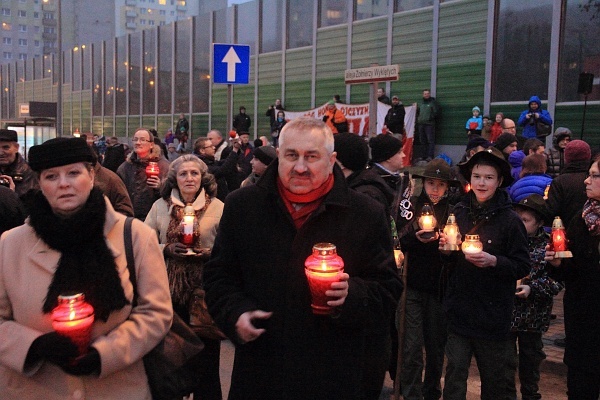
{"x": 394, "y": 119}
{"x": 222, "y": 170}
{"x": 242, "y": 121}
{"x": 257, "y": 290}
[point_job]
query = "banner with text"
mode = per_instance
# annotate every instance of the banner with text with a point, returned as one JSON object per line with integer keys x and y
{"x": 357, "y": 116}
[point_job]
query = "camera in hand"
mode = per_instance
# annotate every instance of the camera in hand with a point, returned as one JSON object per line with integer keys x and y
{"x": 531, "y": 120}
{"x": 4, "y": 182}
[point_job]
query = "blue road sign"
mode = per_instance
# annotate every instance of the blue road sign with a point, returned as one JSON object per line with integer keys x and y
{"x": 231, "y": 63}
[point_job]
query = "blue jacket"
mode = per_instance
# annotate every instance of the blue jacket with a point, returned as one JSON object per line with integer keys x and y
{"x": 530, "y": 130}
{"x": 515, "y": 159}
{"x": 477, "y": 124}
{"x": 528, "y": 185}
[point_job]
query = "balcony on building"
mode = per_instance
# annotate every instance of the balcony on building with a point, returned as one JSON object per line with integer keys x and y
{"x": 49, "y": 36}
{"x": 131, "y": 25}
{"x": 131, "y": 13}
{"x": 131, "y": 2}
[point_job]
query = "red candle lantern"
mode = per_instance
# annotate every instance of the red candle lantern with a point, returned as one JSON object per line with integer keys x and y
{"x": 152, "y": 169}
{"x": 187, "y": 228}
{"x": 559, "y": 239}
{"x": 73, "y": 318}
{"x": 322, "y": 268}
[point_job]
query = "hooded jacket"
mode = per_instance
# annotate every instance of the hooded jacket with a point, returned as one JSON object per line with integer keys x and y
{"x": 529, "y": 128}
{"x": 556, "y": 155}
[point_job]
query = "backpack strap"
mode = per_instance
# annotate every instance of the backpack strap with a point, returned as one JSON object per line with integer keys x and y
{"x": 128, "y": 241}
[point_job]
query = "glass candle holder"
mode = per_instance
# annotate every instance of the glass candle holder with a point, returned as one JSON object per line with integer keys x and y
{"x": 73, "y": 318}
{"x": 323, "y": 267}
{"x": 187, "y": 231}
{"x": 472, "y": 244}
{"x": 427, "y": 222}
{"x": 559, "y": 239}
{"x": 152, "y": 169}
{"x": 452, "y": 234}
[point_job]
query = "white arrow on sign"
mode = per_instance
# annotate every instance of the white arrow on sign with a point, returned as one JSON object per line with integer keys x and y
{"x": 231, "y": 58}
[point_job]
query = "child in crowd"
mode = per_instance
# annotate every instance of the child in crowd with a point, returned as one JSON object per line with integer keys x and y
{"x": 474, "y": 124}
{"x": 496, "y": 127}
{"x": 533, "y": 298}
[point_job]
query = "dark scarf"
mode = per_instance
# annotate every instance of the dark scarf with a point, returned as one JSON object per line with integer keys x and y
{"x": 309, "y": 201}
{"x": 184, "y": 275}
{"x": 591, "y": 216}
{"x": 86, "y": 264}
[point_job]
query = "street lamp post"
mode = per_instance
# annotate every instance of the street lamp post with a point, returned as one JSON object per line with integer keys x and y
{"x": 59, "y": 68}
{"x": 59, "y": 117}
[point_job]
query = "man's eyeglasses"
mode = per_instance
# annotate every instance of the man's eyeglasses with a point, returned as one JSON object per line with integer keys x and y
{"x": 141, "y": 140}
{"x": 593, "y": 176}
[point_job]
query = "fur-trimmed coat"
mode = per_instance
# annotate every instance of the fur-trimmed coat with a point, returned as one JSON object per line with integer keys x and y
{"x": 27, "y": 266}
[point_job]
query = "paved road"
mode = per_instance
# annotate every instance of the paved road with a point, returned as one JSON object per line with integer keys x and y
{"x": 552, "y": 383}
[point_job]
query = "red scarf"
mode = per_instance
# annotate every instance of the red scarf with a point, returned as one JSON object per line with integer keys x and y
{"x": 309, "y": 201}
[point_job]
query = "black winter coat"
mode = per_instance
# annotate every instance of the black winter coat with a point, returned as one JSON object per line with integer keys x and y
{"x": 582, "y": 299}
{"x": 301, "y": 355}
{"x": 479, "y": 301}
{"x": 567, "y": 195}
{"x": 394, "y": 119}
{"x": 424, "y": 259}
{"x": 372, "y": 184}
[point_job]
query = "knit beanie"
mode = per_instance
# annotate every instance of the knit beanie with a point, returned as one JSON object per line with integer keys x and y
{"x": 504, "y": 140}
{"x": 476, "y": 109}
{"x": 352, "y": 151}
{"x": 58, "y": 152}
{"x": 384, "y": 147}
{"x": 478, "y": 141}
{"x": 265, "y": 154}
{"x": 577, "y": 150}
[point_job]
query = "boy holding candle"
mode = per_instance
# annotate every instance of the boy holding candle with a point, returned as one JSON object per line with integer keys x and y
{"x": 480, "y": 287}
{"x": 425, "y": 325}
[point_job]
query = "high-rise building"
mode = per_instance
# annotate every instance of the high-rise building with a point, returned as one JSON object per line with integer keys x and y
{"x": 30, "y": 27}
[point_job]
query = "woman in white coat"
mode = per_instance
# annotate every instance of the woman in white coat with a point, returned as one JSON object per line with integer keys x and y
{"x": 73, "y": 243}
{"x": 190, "y": 188}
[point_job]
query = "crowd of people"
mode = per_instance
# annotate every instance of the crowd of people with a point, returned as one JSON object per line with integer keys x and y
{"x": 232, "y": 221}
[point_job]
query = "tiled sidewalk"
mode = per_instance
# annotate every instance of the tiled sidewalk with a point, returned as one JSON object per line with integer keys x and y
{"x": 554, "y": 353}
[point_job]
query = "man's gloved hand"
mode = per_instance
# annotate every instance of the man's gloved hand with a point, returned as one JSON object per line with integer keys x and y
{"x": 86, "y": 364}
{"x": 53, "y": 348}
{"x": 325, "y": 118}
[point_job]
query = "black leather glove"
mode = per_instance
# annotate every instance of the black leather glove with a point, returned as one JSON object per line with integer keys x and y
{"x": 325, "y": 118}
{"x": 53, "y": 348}
{"x": 174, "y": 250}
{"x": 86, "y": 364}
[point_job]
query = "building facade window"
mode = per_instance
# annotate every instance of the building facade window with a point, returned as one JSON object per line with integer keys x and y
{"x": 6, "y": 26}
{"x": 7, "y": 55}
{"x": 22, "y": 28}
{"x": 36, "y": 15}
{"x": 6, "y": 12}
{"x": 247, "y": 28}
{"x": 22, "y": 13}
{"x": 271, "y": 29}
{"x": 6, "y": 40}
{"x": 300, "y": 24}
{"x": 370, "y": 8}
{"x": 22, "y": 56}
{"x": 407, "y": 5}
{"x": 22, "y": 42}
{"x": 333, "y": 12}
{"x": 521, "y": 50}
{"x": 580, "y": 50}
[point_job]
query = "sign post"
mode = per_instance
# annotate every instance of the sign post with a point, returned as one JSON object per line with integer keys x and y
{"x": 231, "y": 66}
{"x": 373, "y": 75}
